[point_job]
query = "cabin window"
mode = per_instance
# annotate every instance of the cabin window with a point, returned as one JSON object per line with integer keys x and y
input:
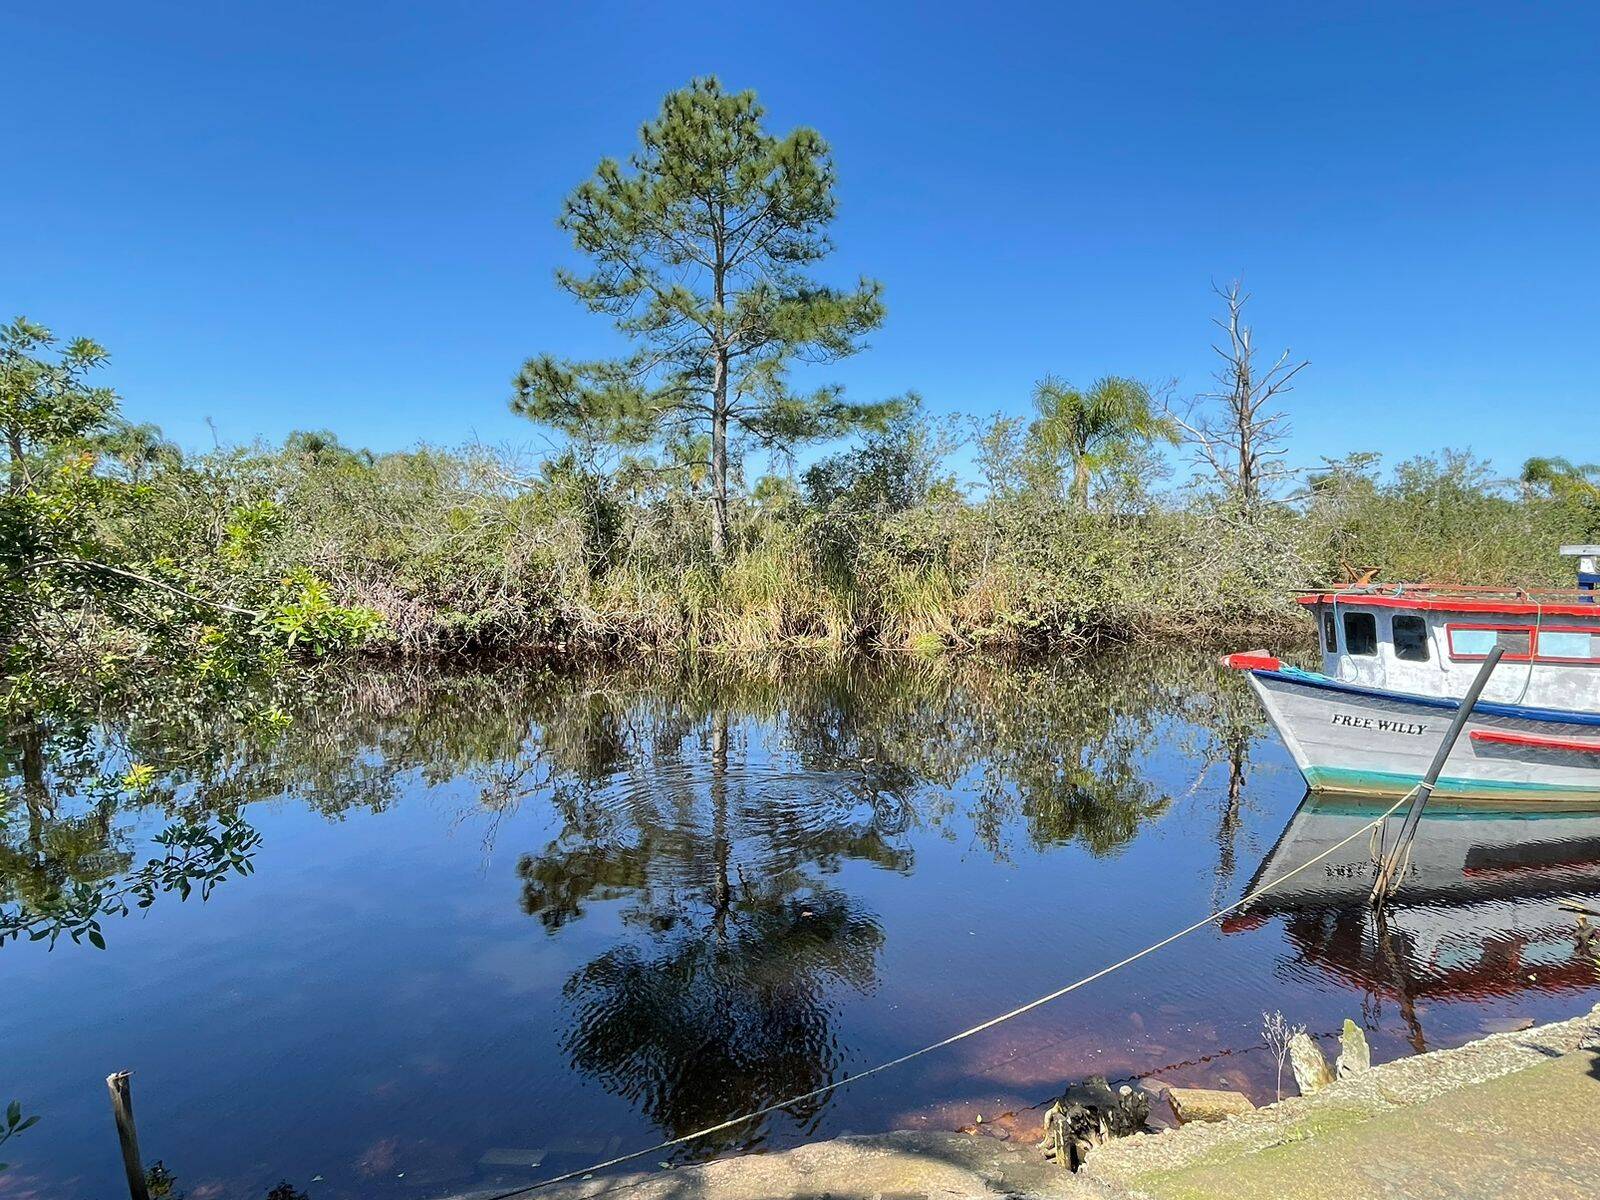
{"x": 1411, "y": 638}
{"x": 1360, "y": 633}
{"x": 1517, "y": 643}
{"x": 1475, "y": 641}
{"x": 1330, "y": 633}
{"x": 1569, "y": 645}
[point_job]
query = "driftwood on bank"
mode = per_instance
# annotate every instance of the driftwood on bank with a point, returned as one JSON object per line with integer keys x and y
{"x": 1089, "y": 1114}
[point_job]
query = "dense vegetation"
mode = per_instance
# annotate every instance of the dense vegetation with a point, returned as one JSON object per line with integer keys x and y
{"x": 878, "y": 545}
{"x": 132, "y": 579}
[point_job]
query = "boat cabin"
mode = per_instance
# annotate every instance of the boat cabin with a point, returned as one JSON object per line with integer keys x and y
{"x": 1431, "y": 641}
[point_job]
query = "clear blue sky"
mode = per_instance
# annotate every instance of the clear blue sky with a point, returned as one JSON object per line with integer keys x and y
{"x": 342, "y": 215}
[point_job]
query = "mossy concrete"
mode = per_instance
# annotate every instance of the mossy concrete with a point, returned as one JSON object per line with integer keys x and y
{"x": 1513, "y": 1115}
{"x": 1534, "y": 1134}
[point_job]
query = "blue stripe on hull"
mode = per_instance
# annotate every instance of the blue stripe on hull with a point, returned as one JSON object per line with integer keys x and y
{"x": 1521, "y": 712}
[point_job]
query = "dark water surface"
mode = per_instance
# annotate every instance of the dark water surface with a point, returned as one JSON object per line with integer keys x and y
{"x": 564, "y": 916}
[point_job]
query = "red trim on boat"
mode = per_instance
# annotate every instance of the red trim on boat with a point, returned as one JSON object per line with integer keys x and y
{"x": 1536, "y": 632}
{"x": 1535, "y": 742}
{"x": 1521, "y": 608}
{"x": 1252, "y": 661}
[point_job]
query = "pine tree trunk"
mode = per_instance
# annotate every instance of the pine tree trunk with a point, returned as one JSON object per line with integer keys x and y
{"x": 719, "y": 458}
{"x": 719, "y": 396}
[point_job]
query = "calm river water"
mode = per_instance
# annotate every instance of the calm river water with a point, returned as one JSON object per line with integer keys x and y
{"x": 503, "y": 924}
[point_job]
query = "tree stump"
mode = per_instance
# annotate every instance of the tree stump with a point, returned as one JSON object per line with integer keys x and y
{"x": 1089, "y": 1114}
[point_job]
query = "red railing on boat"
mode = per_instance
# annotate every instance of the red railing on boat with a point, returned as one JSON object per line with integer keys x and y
{"x": 1534, "y": 741}
{"x": 1573, "y": 602}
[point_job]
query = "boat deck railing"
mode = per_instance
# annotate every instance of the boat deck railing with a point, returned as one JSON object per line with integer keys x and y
{"x": 1436, "y": 593}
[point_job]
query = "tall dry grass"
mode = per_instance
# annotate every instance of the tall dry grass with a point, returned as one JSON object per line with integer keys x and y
{"x": 471, "y": 551}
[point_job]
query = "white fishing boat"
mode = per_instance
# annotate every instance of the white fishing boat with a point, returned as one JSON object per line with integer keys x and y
{"x": 1396, "y": 661}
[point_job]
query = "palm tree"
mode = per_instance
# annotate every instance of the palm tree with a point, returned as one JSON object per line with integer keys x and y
{"x": 1574, "y": 484}
{"x": 1091, "y": 428}
{"x": 1562, "y": 477}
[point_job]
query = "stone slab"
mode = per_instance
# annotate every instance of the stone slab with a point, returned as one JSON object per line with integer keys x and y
{"x": 1206, "y": 1104}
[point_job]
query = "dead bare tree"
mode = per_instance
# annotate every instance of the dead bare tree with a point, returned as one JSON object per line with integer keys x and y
{"x": 1239, "y": 431}
{"x": 1279, "y": 1033}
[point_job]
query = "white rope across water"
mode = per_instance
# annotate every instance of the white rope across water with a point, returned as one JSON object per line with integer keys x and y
{"x": 965, "y": 1033}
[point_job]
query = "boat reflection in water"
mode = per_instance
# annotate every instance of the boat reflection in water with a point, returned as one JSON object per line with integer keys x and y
{"x": 1482, "y": 913}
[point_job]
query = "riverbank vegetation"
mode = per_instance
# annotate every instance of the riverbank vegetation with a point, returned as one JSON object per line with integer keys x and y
{"x": 312, "y": 544}
{"x": 876, "y": 546}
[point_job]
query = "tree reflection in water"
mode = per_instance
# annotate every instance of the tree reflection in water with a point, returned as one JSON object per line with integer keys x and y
{"x": 722, "y": 855}
{"x": 719, "y": 811}
{"x": 735, "y": 800}
{"x": 701, "y": 1024}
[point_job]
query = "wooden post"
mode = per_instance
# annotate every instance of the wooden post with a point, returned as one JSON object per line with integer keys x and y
{"x": 122, "y": 1110}
{"x": 1389, "y": 871}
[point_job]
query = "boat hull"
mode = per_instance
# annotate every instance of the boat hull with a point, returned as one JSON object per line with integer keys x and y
{"x": 1359, "y": 740}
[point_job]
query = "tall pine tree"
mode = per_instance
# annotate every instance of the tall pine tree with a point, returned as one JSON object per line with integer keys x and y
{"x": 700, "y": 252}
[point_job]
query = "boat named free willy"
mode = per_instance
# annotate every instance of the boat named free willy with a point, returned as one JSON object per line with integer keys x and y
{"x": 1397, "y": 660}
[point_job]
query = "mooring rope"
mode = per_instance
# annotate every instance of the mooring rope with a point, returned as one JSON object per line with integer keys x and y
{"x": 955, "y": 1037}
{"x": 1533, "y": 647}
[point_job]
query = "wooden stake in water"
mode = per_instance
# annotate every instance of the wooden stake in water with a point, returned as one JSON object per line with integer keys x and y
{"x": 122, "y": 1110}
{"x": 1388, "y": 877}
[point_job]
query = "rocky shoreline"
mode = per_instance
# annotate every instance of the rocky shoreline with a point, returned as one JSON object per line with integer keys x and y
{"x": 1529, "y": 1099}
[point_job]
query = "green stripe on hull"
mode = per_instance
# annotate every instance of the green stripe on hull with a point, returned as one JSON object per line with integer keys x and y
{"x": 1394, "y": 783}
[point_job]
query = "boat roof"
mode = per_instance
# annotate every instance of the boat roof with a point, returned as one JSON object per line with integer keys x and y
{"x": 1571, "y": 602}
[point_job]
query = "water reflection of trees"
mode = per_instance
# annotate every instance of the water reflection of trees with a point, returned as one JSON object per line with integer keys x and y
{"x": 66, "y": 859}
{"x": 71, "y": 792}
{"x": 717, "y": 811}
{"x": 733, "y": 801}
{"x": 722, "y": 853}
{"x": 1039, "y": 755}
{"x": 703, "y": 1021}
